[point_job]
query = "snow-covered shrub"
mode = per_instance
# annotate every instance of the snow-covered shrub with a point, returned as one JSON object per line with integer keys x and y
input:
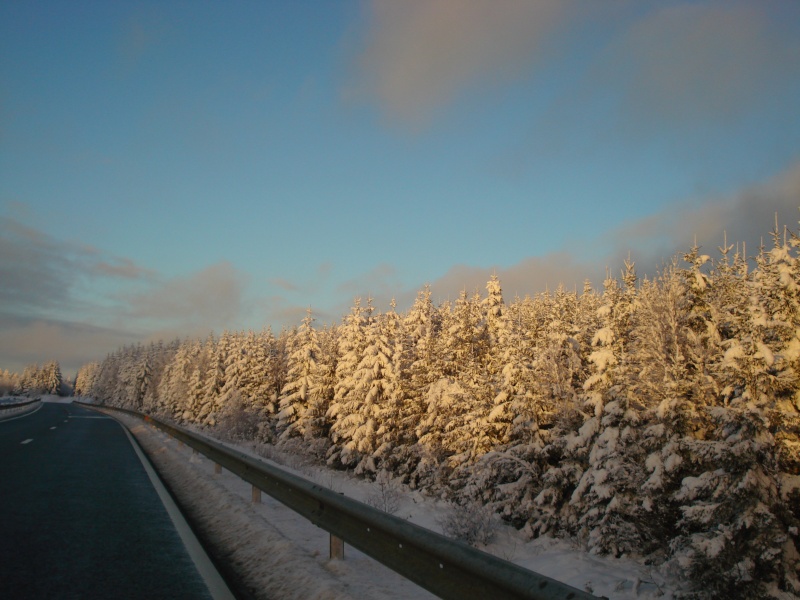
{"x": 506, "y": 481}
{"x": 386, "y": 494}
{"x": 472, "y": 523}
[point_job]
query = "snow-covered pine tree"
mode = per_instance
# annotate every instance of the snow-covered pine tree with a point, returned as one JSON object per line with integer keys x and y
{"x": 669, "y": 336}
{"x": 319, "y": 423}
{"x": 420, "y": 329}
{"x": 507, "y": 478}
{"x": 199, "y": 403}
{"x": 303, "y": 389}
{"x": 737, "y": 520}
{"x": 455, "y": 425}
{"x": 387, "y": 391}
{"x": 234, "y": 371}
{"x": 352, "y": 341}
{"x": 262, "y": 354}
{"x": 51, "y": 378}
{"x": 215, "y": 379}
{"x": 493, "y": 310}
{"x": 358, "y": 419}
{"x": 85, "y": 379}
{"x": 606, "y": 498}
{"x": 173, "y": 390}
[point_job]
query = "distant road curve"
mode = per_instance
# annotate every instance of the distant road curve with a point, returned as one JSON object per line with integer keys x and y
{"x": 81, "y": 518}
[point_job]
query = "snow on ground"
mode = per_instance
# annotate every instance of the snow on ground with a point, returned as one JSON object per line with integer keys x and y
{"x": 282, "y": 555}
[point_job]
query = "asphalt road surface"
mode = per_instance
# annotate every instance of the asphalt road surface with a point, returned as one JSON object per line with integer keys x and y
{"x": 79, "y": 516}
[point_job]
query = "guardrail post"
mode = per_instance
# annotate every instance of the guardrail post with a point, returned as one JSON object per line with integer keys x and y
{"x": 256, "y": 495}
{"x": 337, "y": 548}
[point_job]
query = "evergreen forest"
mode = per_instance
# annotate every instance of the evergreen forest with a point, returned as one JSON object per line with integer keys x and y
{"x": 656, "y": 417}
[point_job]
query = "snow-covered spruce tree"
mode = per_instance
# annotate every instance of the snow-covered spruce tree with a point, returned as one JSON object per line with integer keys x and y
{"x": 234, "y": 370}
{"x": 51, "y": 378}
{"x": 215, "y": 379}
{"x": 493, "y": 310}
{"x": 277, "y": 372}
{"x": 507, "y": 478}
{"x": 173, "y": 390}
{"x": 678, "y": 349}
{"x": 254, "y": 366}
{"x": 420, "y": 368}
{"x": 454, "y": 429}
{"x": 302, "y": 392}
{"x": 159, "y": 355}
{"x": 199, "y": 405}
{"x": 263, "y": 392}
{"x": 359, "y": 426}
{"x": 575, "y": 488}
{"x": 392, "y": 441}
{"x": 606, "y": 499}
{"x": 558, "y": 363}
{"x": 736, "y": 531}
{"x": 327, "y": 362}
{"x": 85, "y": 378}
{"x": 352, "y": 341}
{"x": 465, "y": 435}
{"x": 102, "y": 389}
{"x": 731, "y": 541}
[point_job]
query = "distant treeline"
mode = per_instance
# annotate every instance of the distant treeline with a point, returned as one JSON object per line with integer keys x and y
{"x": 659, "y": 417}
{"x": 34, "y": 379}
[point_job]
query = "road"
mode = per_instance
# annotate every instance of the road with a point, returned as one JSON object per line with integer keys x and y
{"x": 79, "y": 516}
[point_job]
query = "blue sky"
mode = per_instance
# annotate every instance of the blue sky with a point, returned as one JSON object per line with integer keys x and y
{"x": 173, "y": 168}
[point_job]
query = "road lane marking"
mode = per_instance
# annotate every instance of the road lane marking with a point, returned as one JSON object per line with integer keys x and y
{"x": 52, "y": 427}
{"x": 216, "y": 585}
{"x": 82, "y": 417}
{"x": 27, "y": 441}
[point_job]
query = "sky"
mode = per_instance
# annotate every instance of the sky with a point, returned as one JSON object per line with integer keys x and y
{"x": 171, "y": 169}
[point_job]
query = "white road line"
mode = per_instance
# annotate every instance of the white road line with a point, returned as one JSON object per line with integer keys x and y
{"x": 27, "y": 441}
{"x": 52, "y": 428}
{"x": 216, "y": 584}
{"x": 82, "y": 417}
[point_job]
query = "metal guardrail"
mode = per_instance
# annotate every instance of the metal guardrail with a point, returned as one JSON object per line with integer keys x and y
{"x": 445, "y": 567}
{"x": 9, "y": 405}
{"x": 13, "y": 410}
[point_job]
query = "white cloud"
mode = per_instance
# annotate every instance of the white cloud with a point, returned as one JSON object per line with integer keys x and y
{"x": 419, "y": 54}
{"x": 211, "y": 298}
{"x": 693, "y": 62}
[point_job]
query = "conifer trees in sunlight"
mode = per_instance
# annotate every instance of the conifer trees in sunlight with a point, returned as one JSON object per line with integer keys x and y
{"x": 659, "y": 417}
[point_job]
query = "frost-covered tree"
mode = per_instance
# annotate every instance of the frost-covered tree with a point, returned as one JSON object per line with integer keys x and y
{"x": 352, "y": 341}
{"x": 455, "y": 425}
{"x": 361, "y": 427}
{"x": 507, "y": 477}
{"x": 50, "y": 378}
{"x": 302, "y": 395}
{"x": 734, "y": 538}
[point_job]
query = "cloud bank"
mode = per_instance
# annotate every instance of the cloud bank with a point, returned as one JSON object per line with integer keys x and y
{"x": 745, "y": 218}
{"x": 419, "y": 54}
{"x": 67, "y": 301}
